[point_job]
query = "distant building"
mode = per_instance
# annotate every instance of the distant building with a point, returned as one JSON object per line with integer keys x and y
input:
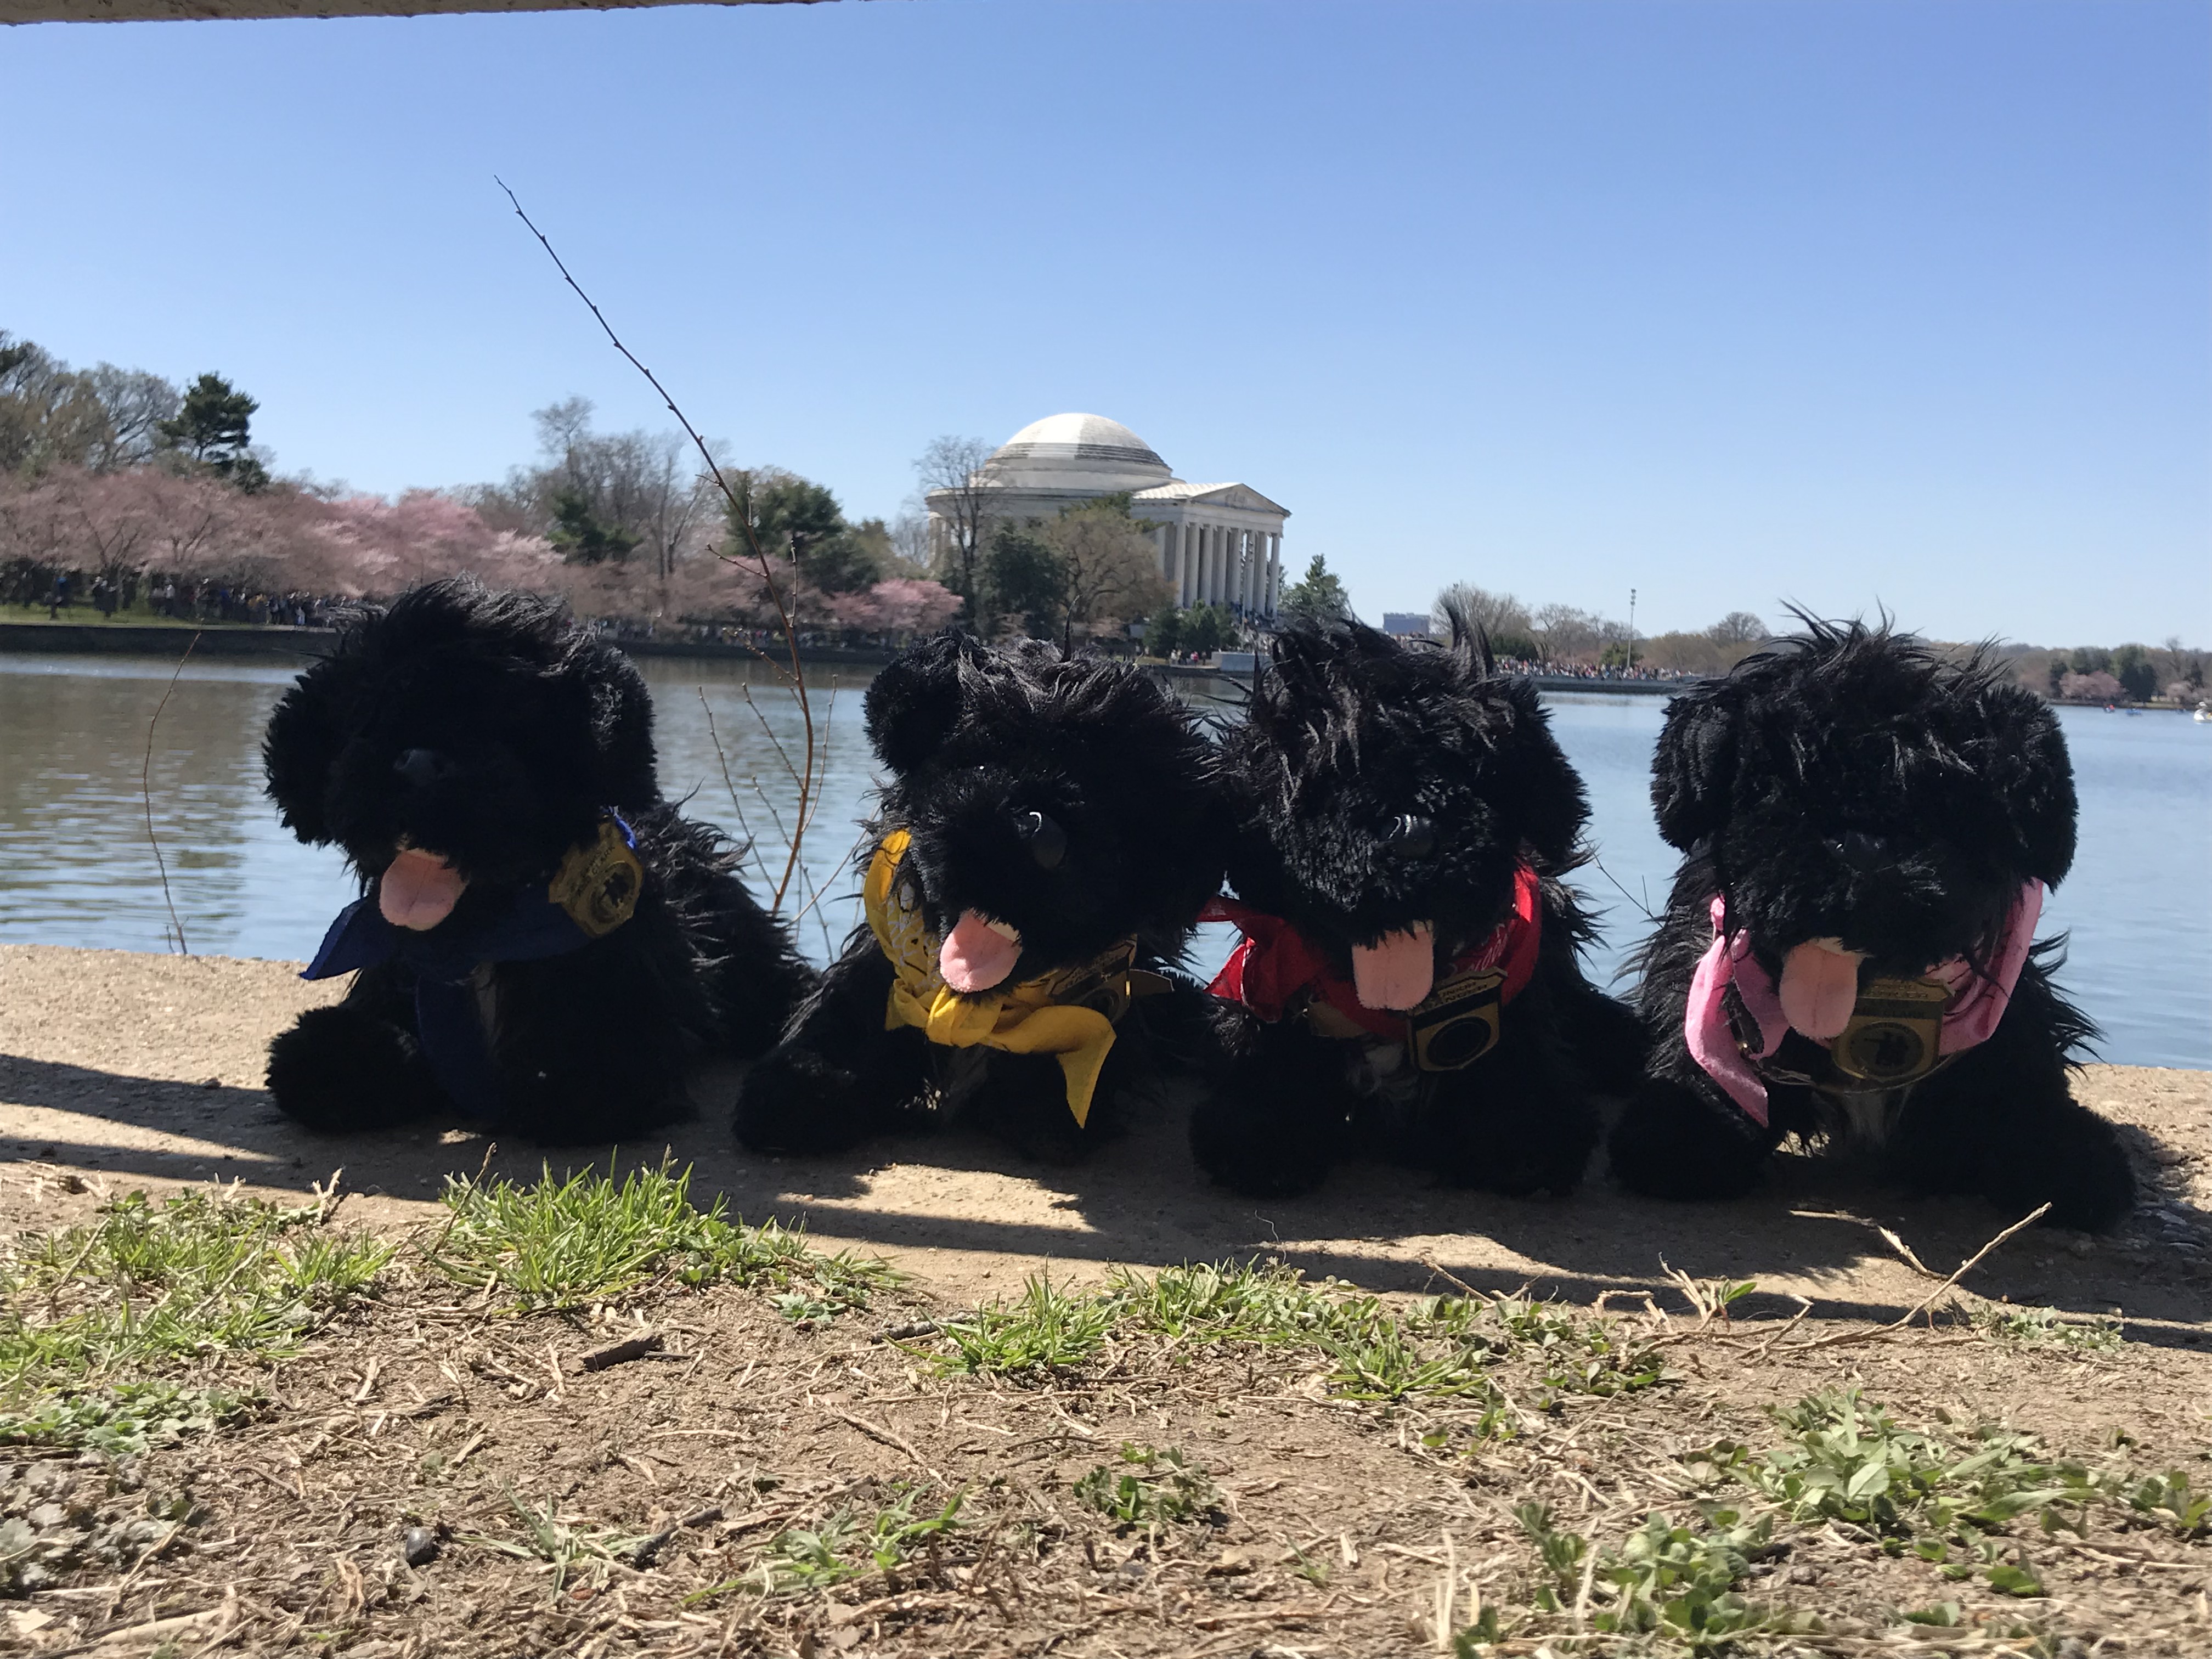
{"x": 1220, "y": 543}
{"x": 1406, "y": 621}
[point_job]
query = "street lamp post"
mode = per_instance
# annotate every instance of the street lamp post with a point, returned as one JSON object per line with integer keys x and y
{"x": 1632, "y": 630}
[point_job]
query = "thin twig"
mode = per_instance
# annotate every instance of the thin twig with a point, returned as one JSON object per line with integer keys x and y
{"x": 1642, "y": 904}
{"x": 146, "y": 794}
{"x": 1842, "y": 1337}
{"x": 752, "y": 844}
{"x": 740, "y": 511}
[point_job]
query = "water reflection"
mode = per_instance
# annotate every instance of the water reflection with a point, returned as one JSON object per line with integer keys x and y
{"x": 76, "y": 867}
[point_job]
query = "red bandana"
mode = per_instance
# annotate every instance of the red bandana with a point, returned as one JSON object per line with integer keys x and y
{"x": 1276, "y": 965}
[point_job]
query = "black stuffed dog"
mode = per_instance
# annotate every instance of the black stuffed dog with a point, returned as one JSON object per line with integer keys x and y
{"x": 1847, "y": 955}
{"x": 544, "y": 944}
{"x": 1051, "y": 828}
{"x": 1409, "y": 979}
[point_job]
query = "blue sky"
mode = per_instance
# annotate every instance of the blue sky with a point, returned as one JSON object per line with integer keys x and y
{"x": 1846, "y": 304}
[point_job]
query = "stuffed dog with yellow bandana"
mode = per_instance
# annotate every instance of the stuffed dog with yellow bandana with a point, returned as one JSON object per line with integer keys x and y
{"x": 543, "y": 944}
{"x": 1051, "y": 828}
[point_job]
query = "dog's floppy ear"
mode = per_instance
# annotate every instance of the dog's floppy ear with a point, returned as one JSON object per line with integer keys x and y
{"x": 914, "y": 702}
{"x": 307, "y": 731}
{"x": 1694, "y": 766}
{"x": 622, "y": 729}
{"x": 1548, "y": 793}
{"x": 2034, "y": 779}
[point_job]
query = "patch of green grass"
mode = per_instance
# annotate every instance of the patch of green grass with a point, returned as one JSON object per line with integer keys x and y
{"x": 1575, "y": 1355}
{"x": 1665, "y": 1581}
{"x": 1148, "y": 1487}
{"x": 1848, "y": 1461}
{"x": 1042, "y": 1331}
{"x": 2046, "y": 1327}
{"x": 554, "y": 1245}
{"x": 846, "y": 1545}
{"x": 1385, "y": 1362}
{"x": 1257, "y": 1301}
{"x": 2170, "y": 1500}
{"x": 97, "y": 1321}
{"x": 562, "y": 1544}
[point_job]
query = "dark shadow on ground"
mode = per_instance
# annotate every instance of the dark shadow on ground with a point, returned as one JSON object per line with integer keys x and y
{"x": 1143, "y": 1202}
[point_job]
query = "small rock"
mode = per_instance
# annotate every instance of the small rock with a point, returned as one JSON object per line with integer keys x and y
{"x": 2083, "y": 1247}
{"x": 419, "y": 1545}
{"x": 48, "y": 1514}
{"x": 1230, "y": 1562}
{"x": 1807, "y": 1574}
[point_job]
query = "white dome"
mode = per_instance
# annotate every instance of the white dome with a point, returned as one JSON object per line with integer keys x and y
{"x": 1078, "y": 451}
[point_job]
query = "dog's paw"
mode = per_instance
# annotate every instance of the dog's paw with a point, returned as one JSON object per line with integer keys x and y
{"x": 793, "y": 1101}
{"x": 1672, "y": 1143}
{"x": 2075, "y": 1163}
{"x": 1534, "y": 1146}
{"x": 1265, "y": 1143}
{"x": 1021, "y": 1100}
{"x": 337, "y": 1069}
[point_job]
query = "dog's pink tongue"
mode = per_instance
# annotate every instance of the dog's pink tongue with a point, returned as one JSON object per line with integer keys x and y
{"x": 976, "y": 955}
{"x": 1397, "y": 974}
{"x": 419, "y": 890}
{"x": 1820, "y": 986}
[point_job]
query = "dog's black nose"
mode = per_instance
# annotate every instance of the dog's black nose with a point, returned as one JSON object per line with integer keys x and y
{"x": 1859, "y": 850}
{"x": 1409, "y": 837}
{"x": 421, "y": 768}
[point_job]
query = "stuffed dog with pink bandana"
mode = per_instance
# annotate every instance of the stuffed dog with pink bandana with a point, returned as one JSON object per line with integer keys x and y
{"x": 1410, "y": 981}
{"x": 1869, "y": 830}
{"x": 1050, "y": 827}
{"x": 543, "y": 945}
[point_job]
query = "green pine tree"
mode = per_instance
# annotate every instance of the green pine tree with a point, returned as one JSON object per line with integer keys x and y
{"x": 1317, "y": 595}
{"x": 214, "y": 429}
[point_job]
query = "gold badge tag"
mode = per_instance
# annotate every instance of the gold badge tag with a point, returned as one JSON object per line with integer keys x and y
{"x": 1459, "y": 1023}
{"x": 1895, "y": 1032}
{"x": 599, "y": 883}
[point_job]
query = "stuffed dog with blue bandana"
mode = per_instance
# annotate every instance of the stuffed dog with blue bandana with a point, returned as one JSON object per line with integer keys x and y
{"x": 543, "y": 944}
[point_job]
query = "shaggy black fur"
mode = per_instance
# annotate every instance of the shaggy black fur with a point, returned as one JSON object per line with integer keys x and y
{"x": 1386, "y": 786}
{"x": 978, "y": 741}
{"x": 492, "y": 730}
{"x": 1853, "y": 784}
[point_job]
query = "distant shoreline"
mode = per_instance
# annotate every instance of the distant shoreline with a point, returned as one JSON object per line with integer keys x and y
{"x": 165, "y": 640}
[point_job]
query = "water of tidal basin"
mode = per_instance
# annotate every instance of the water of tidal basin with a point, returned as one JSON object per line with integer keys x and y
{"x": 75, "y": 867}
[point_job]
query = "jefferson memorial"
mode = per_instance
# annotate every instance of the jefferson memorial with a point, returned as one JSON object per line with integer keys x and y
{"x": 1220, "y": 543}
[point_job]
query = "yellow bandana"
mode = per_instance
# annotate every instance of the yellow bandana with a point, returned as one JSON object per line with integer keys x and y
{"x": 1068, "y": 1014}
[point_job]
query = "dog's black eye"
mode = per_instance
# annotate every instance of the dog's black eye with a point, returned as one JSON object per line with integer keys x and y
{"x": 1410, "y": 837}
{"x": 1048, "y": 841}
{"x": 1859, "y": 850}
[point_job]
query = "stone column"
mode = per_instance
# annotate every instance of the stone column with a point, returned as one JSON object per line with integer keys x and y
{"x": 1274, "y": 572}
{"x": 1204, "y": 565}
{"x": 1216, "y": 592}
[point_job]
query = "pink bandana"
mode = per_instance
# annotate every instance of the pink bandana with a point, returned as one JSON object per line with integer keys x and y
{"x": 1976, "y": 1003}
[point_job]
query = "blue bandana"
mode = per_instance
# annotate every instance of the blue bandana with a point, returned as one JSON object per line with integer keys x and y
{"x": 441, "y": 963}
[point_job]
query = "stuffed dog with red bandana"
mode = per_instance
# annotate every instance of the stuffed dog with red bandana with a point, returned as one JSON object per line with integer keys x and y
{"x": 1409, "y": 980}
{"x": 1868, "y": 831}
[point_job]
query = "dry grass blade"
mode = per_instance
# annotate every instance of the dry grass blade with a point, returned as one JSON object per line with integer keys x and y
{"x": 1845, "y": 1339}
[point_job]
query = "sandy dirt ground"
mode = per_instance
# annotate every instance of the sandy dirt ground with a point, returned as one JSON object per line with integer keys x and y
{"x": 1336, "y": 1527}
{"x": 145, "y": 1070}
